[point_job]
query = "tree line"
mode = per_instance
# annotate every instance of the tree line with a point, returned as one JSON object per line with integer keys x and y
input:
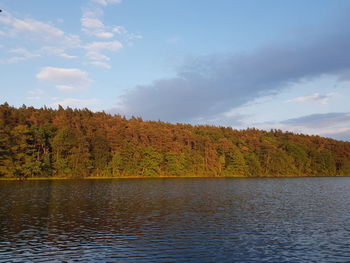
{"x": 80, "y": 143}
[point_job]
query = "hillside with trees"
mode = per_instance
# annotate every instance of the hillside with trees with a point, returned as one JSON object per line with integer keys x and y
{"x": 80, "y": 143}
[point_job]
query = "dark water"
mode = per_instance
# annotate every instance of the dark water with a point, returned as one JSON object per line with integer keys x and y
{"x": 176, "y": 220}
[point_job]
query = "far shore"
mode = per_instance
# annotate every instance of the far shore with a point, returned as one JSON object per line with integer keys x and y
{"x": 154, "y": 177}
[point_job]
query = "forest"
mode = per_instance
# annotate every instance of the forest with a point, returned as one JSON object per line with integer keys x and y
{"x": 79, "y": 143}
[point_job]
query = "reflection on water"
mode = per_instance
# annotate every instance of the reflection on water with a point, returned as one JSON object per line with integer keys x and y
{"x": 176, "y": 220}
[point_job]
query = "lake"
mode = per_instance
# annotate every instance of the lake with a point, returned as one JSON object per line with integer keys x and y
{"x": 176, "y": 220}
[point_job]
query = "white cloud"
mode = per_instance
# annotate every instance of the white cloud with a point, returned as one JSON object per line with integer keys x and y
{"x": 97, "y": 56}
{"x": 119, "y": 30}
{"x": 30, "y": 26}
{"x": 95, "y": 49}
{"x": 316, "y": 97}
{"x": 76, "y": 103}
{"x": 22, "y": 51}
{"x": 65, "y": 78}
{"x": 100, "y": 64}
{"x": 106, "y": 2}
{"x": 133, "y": 36}
{"x": 92, "y": 25}
{"x": 51, "y": 39}
{"x": 129, "y": 37}
{"x": 104, "y": 34}
{"x": 100, "y": 46}
{"x": 69, "y": 41}
{"x": 21, "y": 55}
{"x": 89, "y": 20}
{"x": 57, "y": 51}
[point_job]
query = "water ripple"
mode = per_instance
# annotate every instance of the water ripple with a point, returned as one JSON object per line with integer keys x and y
{"x": 176, "y": 220}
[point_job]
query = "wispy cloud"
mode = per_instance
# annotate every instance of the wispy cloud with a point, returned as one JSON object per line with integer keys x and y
{"x": 36, "y": 30}
{"x": 93, "y": 25}
{"x": 95, "y": 51}
{"x": 102, "y": 46}
{"x": 100, "y": 64}
{"x": 21, "y": 54}
{"x": 29, "y": 26}
{"x": 46, "y": 39}
{"x": 50, "y": 39}
{"x": 316, "y": 97}
{"x": 128, "y": 36}
{"x": 57, "y": 51}
{"x": 65, "y": 79}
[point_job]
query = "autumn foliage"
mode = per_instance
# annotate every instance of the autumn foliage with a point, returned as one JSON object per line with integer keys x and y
{"x": 79, "y": 143}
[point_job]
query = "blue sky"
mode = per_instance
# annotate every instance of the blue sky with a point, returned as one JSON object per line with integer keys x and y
{"x": 265, "y": 64}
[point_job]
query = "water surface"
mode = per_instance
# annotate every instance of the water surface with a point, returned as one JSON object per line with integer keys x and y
{"x": 176, "y": 220}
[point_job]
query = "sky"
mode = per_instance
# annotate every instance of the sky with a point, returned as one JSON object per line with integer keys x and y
{"x": 243, "y": 63}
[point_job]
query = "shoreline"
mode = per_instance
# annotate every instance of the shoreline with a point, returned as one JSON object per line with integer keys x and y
{"x": 162, "y": 177}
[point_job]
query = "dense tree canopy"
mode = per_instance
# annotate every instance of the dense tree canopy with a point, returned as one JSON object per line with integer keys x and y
{"x": 79, "y": 143}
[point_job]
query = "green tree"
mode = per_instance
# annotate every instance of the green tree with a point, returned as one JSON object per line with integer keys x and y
{"x": 175, "y": 164}
{"x": 235, "y": 163}
{"x": 6, "y": 158}
{"x": 100, "y": 154}
{"x": 253, "y": 164}
{"x": 25, "y": 163}
{"x": 71, "y": 153}
{"x": 150, "y": 162}
{"x": 116, "y": 165}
